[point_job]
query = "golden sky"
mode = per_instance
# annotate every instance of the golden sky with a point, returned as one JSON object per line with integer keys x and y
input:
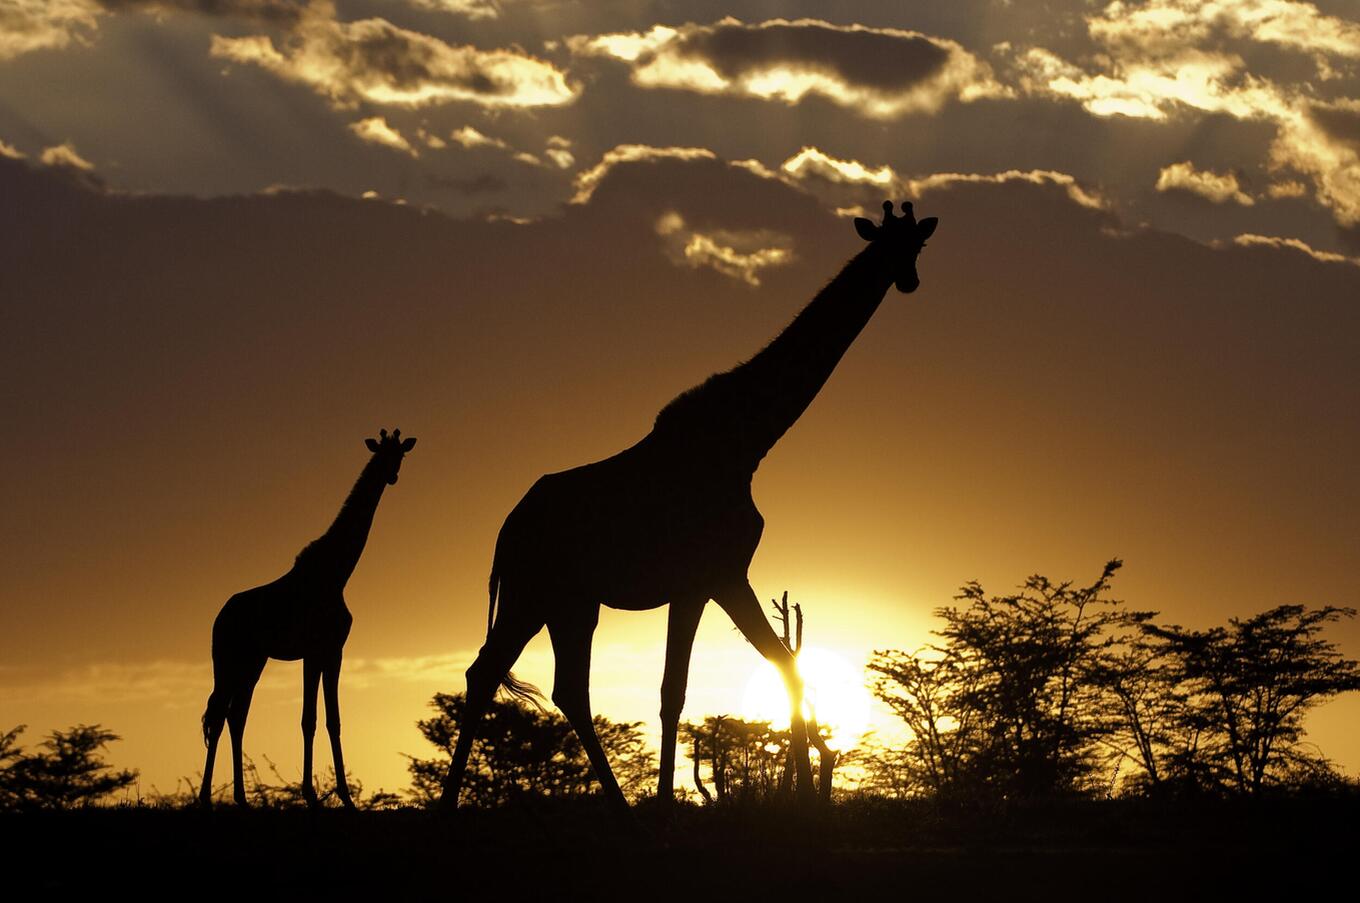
{"x": 237, "y": 238}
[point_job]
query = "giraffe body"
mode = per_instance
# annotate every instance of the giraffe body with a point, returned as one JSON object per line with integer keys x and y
{"x": 671, "y": 522}
{"x": 682, "y": 532}
{"x": 301, "y": 615}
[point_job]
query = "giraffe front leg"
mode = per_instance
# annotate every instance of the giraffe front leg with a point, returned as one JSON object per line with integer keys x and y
{"x": 311, "y": 681}
{"x": 682, "y": 624}
{"x": 743, "y": 607}
{"x": 331, "y": 686}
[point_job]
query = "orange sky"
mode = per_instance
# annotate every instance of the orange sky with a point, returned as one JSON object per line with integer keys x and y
{"x": 1103, "y": 359}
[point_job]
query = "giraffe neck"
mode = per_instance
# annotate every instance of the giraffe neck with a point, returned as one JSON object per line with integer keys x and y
{"x": 742, "y": 413}
{"x": 334, "y": 555}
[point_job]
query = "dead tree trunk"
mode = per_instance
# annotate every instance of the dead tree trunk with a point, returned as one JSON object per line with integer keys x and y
{"x": 826, "y": 756}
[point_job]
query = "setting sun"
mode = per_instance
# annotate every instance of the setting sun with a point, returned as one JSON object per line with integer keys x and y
{"x": 834, "y": 693}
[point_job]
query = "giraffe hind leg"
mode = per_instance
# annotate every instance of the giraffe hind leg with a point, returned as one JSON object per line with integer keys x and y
{"x": 214, "y": 718}
{"x": 505, "y": 641}
{"x": 571, "y": 691}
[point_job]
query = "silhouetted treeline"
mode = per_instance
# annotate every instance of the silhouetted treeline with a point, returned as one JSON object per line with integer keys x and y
{"x": 1059, "y": 690}
{"x": 1056, "y": 691}
{"x": 525, "y": 750}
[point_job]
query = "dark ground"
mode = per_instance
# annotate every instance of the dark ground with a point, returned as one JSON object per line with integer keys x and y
{"x": 1120, "y": 850}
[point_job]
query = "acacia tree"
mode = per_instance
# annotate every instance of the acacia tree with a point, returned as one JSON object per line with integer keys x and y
{"x": 69, "y": 771}
{"x": 522, "y": 750}
{"x": 1010, "y": 701}
{"x": 1147, "y": 705}
{"x": 927, "y": 691}
{"x": 746, "y": 760}
{"x": 1244, "y": 690}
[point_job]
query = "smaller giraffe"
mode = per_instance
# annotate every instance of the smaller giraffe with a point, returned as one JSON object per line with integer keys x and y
{"x": 301, "y": 615}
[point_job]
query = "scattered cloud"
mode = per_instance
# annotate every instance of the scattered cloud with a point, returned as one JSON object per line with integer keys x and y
{"x": 587, "y": 181}
{"x": 877, "y": 72}
{"x": 1289, "y": 188}
{"x": 375, "y": 130}
{"x": 110, "y": 682}
{"x": 559, "y": 153}
{"x": 10, "y": 151}
{"x": 738, "y": 254}
{"x": 184, "y": 682}
{"x": 469, "y": 137}
{"x": 468, "y": 9}
{"x": 65, "y": 155}
{"x": 1078, "y": 193}
{"x": 431, "y": 140}
{"x": 1153, "y": 87}
{"x": 374, "y": 61}
{"x": 29, "y": 25}
{"x": 811, "y": 164}
{"x": 1218, "y": 188}
{"x": 560, "y": 157}
{"x": 1249, "y": 240}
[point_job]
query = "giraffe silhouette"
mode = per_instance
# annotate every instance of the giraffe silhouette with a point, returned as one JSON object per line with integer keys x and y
{"x": 671, "y": 520}
{"x": 301, "y": 615}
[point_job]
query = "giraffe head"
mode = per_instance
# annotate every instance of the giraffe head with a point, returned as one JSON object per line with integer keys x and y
{"x": 388, "y": 452}
{"x": 904, "y": 237}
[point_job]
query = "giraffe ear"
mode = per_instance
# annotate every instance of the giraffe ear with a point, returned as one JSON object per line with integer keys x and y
{"x": 371, "y": 444}
{"x": 866, "y": 228}
{"x": 926, "y": 227}
{"x": 407, "y": 445}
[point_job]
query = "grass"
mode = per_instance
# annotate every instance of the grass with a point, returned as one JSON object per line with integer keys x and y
{"x": 1083, "y": 850}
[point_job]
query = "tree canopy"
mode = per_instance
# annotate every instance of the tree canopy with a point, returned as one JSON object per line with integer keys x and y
{"x": 522, "y": 750}
{"x": 67, "y": 771}
{"x": 1053, "y": 690}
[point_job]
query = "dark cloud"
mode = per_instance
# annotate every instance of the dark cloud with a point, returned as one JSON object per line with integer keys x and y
{"x": 277, "y": 12}
{"x": 877, "y": 72}
{"x": 1341, "y": 123}
{"x": 880, "y": 60}
{"x": 469, "y": 185}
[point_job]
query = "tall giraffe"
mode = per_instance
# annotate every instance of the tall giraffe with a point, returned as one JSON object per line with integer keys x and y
{"x": 301, "y": 615}
{"x": 671, "y": 520}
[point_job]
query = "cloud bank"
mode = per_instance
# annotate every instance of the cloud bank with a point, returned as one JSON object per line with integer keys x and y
{"x": 29, "y": 25}
{"x": 1162, "y": 58}
{"x": 373, "y": 61}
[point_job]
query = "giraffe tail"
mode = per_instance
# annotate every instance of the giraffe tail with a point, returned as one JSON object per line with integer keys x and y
{"x": 219, "y": 701}
{"x": 214, "y": 714}
{"x": 519, "y": 689}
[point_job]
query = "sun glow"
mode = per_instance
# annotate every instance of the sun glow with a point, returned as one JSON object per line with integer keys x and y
{"x": 834, "y": 691}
